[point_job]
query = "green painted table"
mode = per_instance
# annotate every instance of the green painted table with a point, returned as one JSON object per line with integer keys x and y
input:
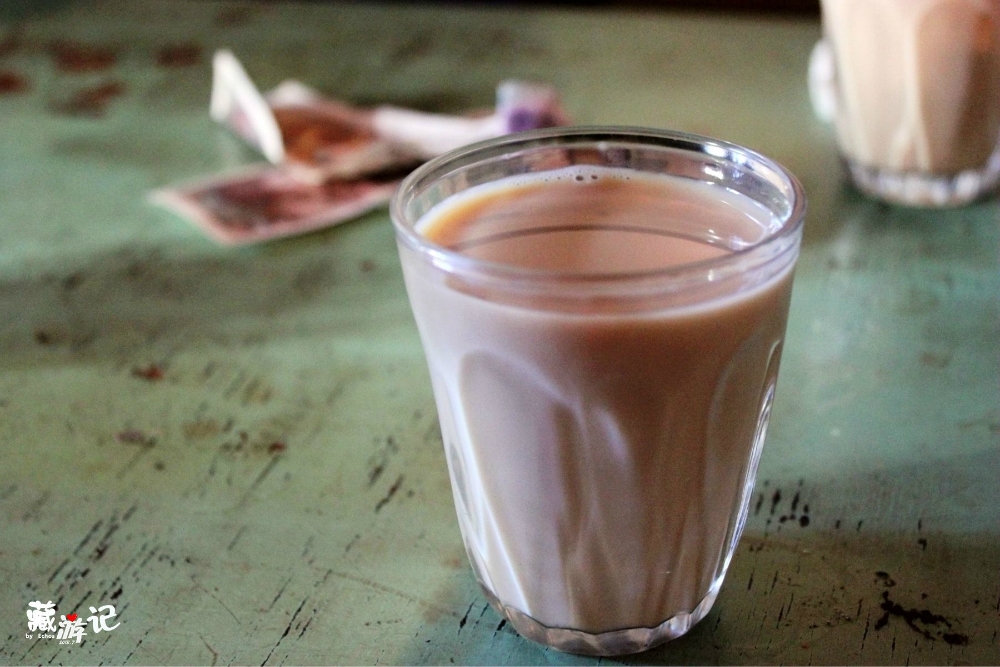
{"x": 279, "y": 495}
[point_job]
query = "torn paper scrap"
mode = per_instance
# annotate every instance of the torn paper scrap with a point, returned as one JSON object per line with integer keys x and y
{"x": 320, "y": 138}
{"x": 267, "y": 202}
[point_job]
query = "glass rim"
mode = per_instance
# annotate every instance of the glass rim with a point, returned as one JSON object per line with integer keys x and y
{"x": 455, "y": 262}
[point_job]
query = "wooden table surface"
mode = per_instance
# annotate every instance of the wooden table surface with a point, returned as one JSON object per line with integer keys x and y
{"x": 280, "y": 495}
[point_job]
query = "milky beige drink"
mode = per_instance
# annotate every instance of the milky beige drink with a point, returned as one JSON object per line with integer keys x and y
{"x": 603, "y": 345}
{"x": 918, "y": 95}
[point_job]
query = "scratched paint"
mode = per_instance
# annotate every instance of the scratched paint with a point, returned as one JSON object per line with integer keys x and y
{"x": 178, "y": 55}
{"x": 75, "y": 57}
{"x": 13, "y": 83}
{"x": 239, "y": 450}
{"x": 91, "y": 101}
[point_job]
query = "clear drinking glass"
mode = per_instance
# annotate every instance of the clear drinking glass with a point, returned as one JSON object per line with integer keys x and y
{"x": 602, "y": 431}
{"x": 917, "y": 96}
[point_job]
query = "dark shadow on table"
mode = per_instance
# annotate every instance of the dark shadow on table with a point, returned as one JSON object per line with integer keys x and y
{"x": 16, "y": 10}
{"x": 839, "y": 590}
{"x": 122, "y": 307}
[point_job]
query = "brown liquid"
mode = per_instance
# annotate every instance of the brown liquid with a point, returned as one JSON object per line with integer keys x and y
{"x": 600, "y": 225}
{"x": 600, "y": 459}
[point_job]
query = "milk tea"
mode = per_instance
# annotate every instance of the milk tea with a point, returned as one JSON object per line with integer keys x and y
{"x": 601, "y": 455}
{"x": 918, "y": 82}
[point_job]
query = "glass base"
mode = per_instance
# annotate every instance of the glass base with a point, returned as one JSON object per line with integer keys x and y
{"x": 923, "y": 189}
{"x": 615, "y": 642}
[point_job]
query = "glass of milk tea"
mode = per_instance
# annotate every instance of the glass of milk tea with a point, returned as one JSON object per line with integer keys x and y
{"x": 917, "y": 90}
{"x": 602, "y": 311}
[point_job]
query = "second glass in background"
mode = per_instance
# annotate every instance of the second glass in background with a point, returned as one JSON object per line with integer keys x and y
{"x": 917, "y": 90}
